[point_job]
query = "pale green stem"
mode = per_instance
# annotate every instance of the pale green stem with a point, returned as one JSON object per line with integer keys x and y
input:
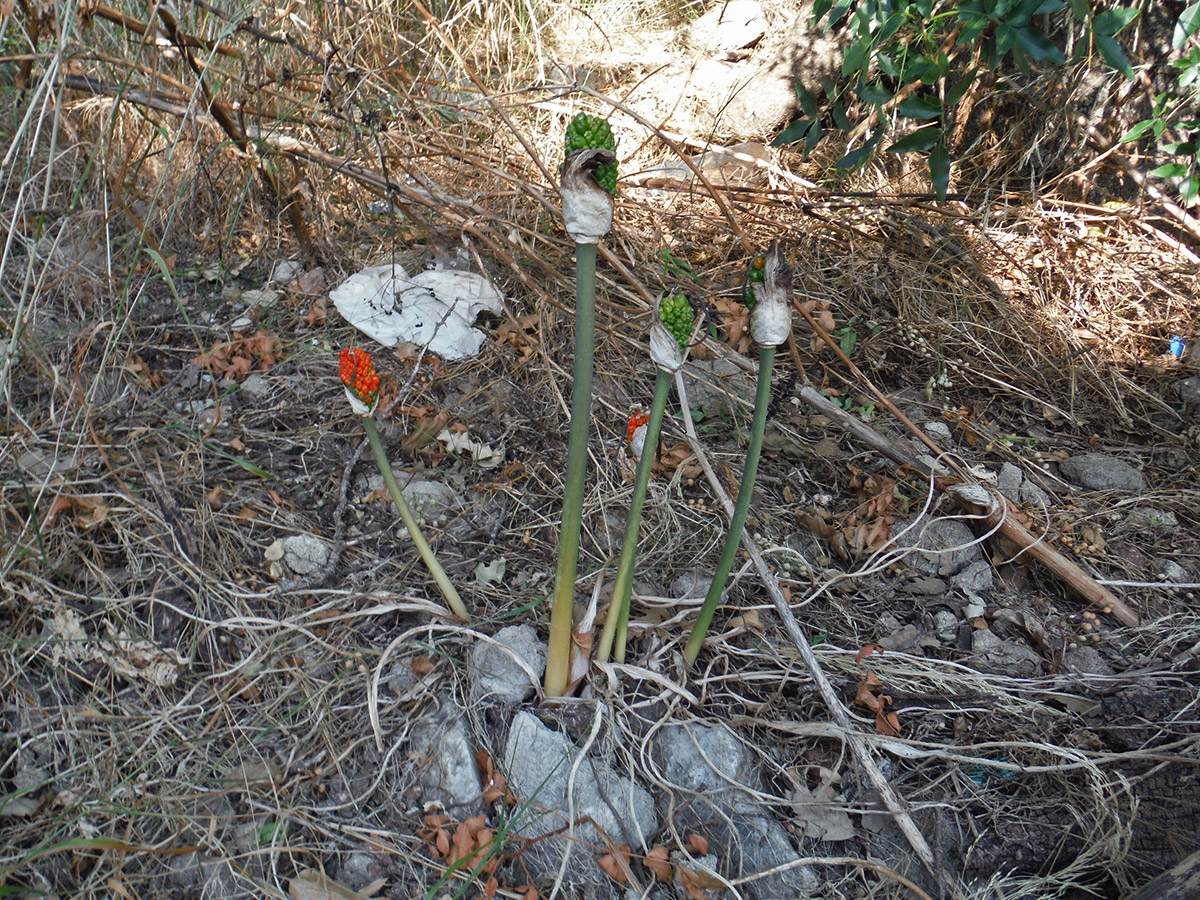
{"x": 762, "y": 399}
{"x": 617, "y": 624}
{"x": 414, "y": 531}
{"x": 558, "y": 657}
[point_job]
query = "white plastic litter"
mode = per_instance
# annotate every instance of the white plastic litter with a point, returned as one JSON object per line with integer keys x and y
{"x": 435, "y": 309}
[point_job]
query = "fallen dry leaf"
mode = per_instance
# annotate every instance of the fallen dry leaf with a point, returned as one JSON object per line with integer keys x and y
{"x": 617, "y": 864}
{"x": 658, "y": 861}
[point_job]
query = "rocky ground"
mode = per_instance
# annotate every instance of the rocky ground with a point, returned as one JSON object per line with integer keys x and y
{"x": 226, "y": 672}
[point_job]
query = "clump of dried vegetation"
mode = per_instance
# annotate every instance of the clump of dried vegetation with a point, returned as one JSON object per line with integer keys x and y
{"x": 179, "y": 718}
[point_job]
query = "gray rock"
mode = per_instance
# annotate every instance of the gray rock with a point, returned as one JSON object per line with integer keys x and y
{"x": 1101, "y": 472}
{"x": 256, "y": 385}
{"x": 939, "y": 432}
{"x": 1034, "y": 495}
{"x": 733, "y": 25}
{"x": 977, "y": 578}
{"x": 1170, "y": 571}
{"x": 304, "y": 553}
{"x": 944, "y": 546}
{"x": 1188, "y": 390}
{"x": 539, "y": 763}
{"x": 999, "y": 657}
{"x": 447, "y": 773}
{"x": 496, "y": 674}
{"x": 712, "y": 775}
{"x": 1150, "y": 517}
{"x": 1008, "y": 481}
{"x": 430, "y": 499}
{"x": 1087, "y": 660}
{"x": 946, "y": 624}
{"x": 713, "y": 385}
{"x": 203, "y": 874}
{"x": 691, "y": 585}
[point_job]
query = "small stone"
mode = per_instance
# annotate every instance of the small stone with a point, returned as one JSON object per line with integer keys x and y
{"x": 304, "y": 554}
{"x": 1088, "y": 661}
{"x": 1034, "y": 495}
{"x": 946, "y": 624}
{"x": 1170, "y": 571}
{"x": 939, "y": 433}
{"x": 1188, "y": 390}
{"x": 1101, "y": 472}
{"x": 713, "y": 385}
{"x": 256, "y": 385}
{"x": 691, "y": 585}
{"x": 1008, "y": 481}
{"x": 999, "y": 657}
{"x": 977, "y": 578}
{"x": 448, "y": 774}
{"x": 497, "y": 676}
{"x": 1150, "y": 517}
{"x": 974, "y": 610}
{"x": 944, "y": 546}
{"x": 540, "y": 766}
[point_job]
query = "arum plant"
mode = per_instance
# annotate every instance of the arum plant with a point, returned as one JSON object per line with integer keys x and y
{"x": 770, "y": 323}
{"x": 589, "y": 182}
{"x": 670, "y": 333}
{"x": 358, "y": 375}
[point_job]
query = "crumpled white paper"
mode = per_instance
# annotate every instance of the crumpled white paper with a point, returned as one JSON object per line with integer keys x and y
{"x": 435, "y": 309}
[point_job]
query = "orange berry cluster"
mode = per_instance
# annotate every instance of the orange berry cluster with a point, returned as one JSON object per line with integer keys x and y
{"x": 358, "y": 374}
{"x": 636, "y": 421}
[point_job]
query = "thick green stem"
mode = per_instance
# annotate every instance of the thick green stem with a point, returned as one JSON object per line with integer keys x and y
{"x": 617, "y": 624}
{"x": 762, "y": 399}
{"x": 559, "y": 653}
{"x": 414, "y": 530}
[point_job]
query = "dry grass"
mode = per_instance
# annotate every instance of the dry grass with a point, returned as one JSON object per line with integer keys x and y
{"x": 170, "y": 709}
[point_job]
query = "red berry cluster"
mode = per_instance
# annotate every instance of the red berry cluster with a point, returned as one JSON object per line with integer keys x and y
{"x": 358, "y": 374}
{"x": 636, "y": 421}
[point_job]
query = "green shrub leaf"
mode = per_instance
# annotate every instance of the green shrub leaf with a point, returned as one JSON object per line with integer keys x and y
{"x": 1039, "y": 47}
{"x": 1111, "y": 21}
{"x": 1189, "y": 21}
{"x": 920, "y": 140}
{"x": 939, "y": 170}
{"x": 920, "y": 108}
{"x": 1113, "y": 54}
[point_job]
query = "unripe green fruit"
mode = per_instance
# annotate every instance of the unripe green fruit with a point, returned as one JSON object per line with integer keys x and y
{"x": 587, "y": 132}
{"x": 676, "y": 314}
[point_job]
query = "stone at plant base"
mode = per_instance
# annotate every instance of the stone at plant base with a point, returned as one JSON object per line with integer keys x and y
{"x": 713, "y": 775}
{"x": 496, "y": 675}
{"x": 1170, "y": 571}
{"x": 945, "y": 546}
{"x": 939, "y": 433}
{"x": 304, "y": 553}
{"x": 1101, "y": 472}
{"x": 540, "y": 766}
{"x": 448, "y": 775}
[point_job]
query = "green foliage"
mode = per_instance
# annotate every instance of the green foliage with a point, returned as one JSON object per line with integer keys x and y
{"x": 1175, "y": 114}
{"x": 904, "y": 59}
{"x": 587, "y": 132}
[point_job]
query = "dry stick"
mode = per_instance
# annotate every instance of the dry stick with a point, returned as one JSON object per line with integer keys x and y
{"x": 862, "y": 752}
{"x": 997, "y": 514}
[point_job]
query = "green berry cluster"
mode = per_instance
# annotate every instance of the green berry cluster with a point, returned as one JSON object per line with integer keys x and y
{"x": 586, "y": 132}
{"x": 753, "y": 276}
{"x": 676, "y": 314}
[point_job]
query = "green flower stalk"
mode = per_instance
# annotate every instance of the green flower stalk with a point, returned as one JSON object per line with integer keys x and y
{"x": 770, "y": 323}
{"x": 670, "y": 334}
{"x": 589, "y": 180}
{"x": 358, "y": 375}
